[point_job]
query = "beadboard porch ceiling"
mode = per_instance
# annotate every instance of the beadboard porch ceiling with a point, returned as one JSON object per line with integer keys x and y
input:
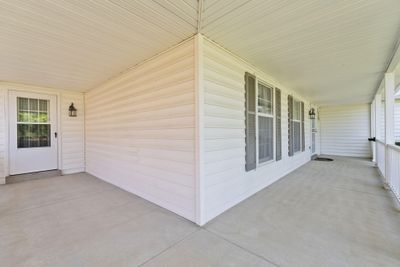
{"x": 333, "y": 52}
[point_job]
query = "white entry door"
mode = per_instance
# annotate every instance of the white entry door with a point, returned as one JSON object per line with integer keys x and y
{"x": 33, "y": 132}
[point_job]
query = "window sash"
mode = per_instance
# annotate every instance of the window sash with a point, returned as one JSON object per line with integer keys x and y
{"x": 296, "y": 110}
{"x": 296, "y": 126}
{"x": 265, "y": 103}
{"x": 296, "y": 136}
{"x": 266, "y": 139}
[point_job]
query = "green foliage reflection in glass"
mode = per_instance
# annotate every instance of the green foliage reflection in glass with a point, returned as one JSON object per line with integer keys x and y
{"x": 33, "y": 127}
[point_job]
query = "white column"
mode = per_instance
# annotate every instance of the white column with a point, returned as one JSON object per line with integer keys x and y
{"x": 389, "y": 120}
{"x": 389, "y": 108}
{"x": 199, "y": 98}
{"x": 373, "y": 130}
{"x": 378, "y": 109}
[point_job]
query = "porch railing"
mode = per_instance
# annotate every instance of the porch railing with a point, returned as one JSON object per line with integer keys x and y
{"x": 388, "y": 162}
{"x": 393, "y": 169}
{"x": 380, "y": 156}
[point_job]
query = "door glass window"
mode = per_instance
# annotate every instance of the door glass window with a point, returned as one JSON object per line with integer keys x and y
{"x": 33, "y": 125}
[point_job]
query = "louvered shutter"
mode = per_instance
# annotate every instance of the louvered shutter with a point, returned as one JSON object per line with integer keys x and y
{"x": 278, "y": 123}
{"x": 303, "y": 137}
{"x": 250, "y": 139}
{"x": 290, "y": 125}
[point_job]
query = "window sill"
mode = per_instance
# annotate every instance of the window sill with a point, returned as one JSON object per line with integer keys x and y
{"x": 266, "y": 163}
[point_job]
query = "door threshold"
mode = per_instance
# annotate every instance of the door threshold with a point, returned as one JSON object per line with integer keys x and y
{"x": 12, "y": 179}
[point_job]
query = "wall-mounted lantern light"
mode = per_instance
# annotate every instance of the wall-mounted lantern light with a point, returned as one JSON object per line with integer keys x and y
{"x": 312, "y": 113}
{"x": 72, "y": 110}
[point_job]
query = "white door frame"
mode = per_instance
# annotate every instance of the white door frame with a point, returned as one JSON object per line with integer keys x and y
{"x": 38, "y": 90}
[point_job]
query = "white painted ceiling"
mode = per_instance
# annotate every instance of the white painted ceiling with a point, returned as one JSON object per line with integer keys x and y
{"x": 79, "y": 44}
{"x": 333, "y": 51}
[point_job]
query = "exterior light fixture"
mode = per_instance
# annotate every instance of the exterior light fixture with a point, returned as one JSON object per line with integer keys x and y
{"x": 312, "y": 113}
{"x": 72, "y": 110}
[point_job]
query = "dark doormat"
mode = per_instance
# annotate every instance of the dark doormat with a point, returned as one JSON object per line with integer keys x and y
{"x": 323, "y": 159}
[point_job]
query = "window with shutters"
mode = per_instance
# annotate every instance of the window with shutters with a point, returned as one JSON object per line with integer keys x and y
{"x": 265, "y": 116}
{"x": 263, "y": 122}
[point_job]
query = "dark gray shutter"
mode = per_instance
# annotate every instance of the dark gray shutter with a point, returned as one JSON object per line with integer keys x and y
{"x": 278, "y": 124}
{"x": 303, "y": 137}
{"x": 250, "y": 121}
{"x": 290, "y": 125}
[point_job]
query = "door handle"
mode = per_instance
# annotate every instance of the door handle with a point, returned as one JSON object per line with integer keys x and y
{"x": 55, "y": 134}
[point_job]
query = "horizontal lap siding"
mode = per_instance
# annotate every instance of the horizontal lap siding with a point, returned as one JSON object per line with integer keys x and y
{"x": 345, "y": 130}
{"x": 73, "y": 135}
{"x": 140, "y": 131}
{"x": 226, "y": 181}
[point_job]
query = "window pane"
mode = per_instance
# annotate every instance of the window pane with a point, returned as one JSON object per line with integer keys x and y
{"x": 265, "y": 139}
{"x": 264, "y": 99}
{"x": 33, "y": 116}
{"x": 22, "y": 135}
{"x": 296, "y": 110}
{"x": 44, "y": 135}
{"x": 43, "y": 117}
{"x": 296, "y": 136}
{"x": 22, "y": 103}
{"x": 23, "y": 116}
{"x": 33, "y": 135}
{"x": 33, "y": 104}
{"x": 43, "y": 104}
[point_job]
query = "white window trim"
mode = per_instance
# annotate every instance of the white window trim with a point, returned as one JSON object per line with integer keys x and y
{"x": 258, "y": 163}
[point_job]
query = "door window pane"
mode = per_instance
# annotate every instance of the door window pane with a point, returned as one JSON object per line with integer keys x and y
{"x": 43, "y": 117}
{"x": 23, "y": 103}
{"x": 44, "y": 135}
{"x": 33, "y": 110}
{"x": 33, "y": 135}
{"x": 43, "y": 105}
{"x": 33, "y": 129}
{"x": 33, "y": 104}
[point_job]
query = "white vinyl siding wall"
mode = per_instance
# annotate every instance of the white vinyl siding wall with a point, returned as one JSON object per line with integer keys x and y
{"x": 225, "y": 180}
{"x": 140, "y": 130}
{"x": 345, "y": 130}
{"x": 72, "y": 134}
{"x": 71, "y": 131}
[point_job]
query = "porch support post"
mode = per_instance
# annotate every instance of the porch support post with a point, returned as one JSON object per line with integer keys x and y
{"x": 378, "y": 123}
{"x": 389, "y": 108}
{"x": 373, "y": 130}
{"x": 199, "y": 100}
{"x": 389, "y": 120}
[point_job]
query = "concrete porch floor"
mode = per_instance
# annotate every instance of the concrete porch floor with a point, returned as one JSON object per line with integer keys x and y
{"x": 323, "y": 214}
